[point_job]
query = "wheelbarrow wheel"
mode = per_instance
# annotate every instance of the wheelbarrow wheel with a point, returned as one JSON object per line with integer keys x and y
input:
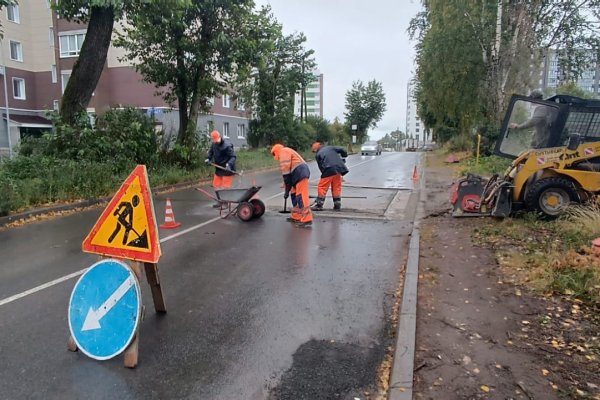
{"x": 245, "y": 211}
{"x": 259, "y": 207}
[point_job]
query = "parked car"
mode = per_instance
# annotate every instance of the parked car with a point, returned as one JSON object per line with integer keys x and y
{"x": 370, "y": 148}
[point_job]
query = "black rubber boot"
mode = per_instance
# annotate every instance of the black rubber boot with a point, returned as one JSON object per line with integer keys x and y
{"x": 318, "y": 206}
{"x": 337, "y": 204}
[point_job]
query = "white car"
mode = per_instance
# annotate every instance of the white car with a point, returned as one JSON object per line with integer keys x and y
{"x": 370, "y": 148}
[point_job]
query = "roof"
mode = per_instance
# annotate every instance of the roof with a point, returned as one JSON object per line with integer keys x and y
{"x": 29, "y": 121}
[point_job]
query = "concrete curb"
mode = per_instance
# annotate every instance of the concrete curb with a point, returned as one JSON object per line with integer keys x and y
{"x": 401, "y": 379}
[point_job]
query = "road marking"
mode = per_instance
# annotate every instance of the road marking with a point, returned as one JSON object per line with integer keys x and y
{"x": 166, "y": 239}
{"x": 92, "y": 320}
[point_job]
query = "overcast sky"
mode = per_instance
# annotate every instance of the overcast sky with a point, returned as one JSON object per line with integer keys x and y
{"x": 356, "y": 40}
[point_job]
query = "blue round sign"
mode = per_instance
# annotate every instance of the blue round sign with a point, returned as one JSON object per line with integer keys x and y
{"x": 105, "y": 309}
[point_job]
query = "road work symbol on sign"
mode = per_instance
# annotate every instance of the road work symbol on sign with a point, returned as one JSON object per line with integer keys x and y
{"x": 127, "y": 227}
{"x": 105, "y": 309}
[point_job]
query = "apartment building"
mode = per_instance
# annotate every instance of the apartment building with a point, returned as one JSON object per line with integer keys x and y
{"x": 415, "y": 128}
{"x": 314, "y": 97}
{"x": 552, "y": 74}
{"x": 38, "y": 52}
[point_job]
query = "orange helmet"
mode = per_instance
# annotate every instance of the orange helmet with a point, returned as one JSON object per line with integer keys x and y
{"x": 315, "y": 147}
{"x": 215, "y": 136}
{"x": 276, "y": 149}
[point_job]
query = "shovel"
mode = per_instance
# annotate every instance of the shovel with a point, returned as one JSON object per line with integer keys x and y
{"x": 225, "y": 169}
{"x": 284, "y": 211}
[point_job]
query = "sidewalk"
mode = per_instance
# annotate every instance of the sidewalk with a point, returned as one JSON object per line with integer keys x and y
{"x": 472, "y": 329}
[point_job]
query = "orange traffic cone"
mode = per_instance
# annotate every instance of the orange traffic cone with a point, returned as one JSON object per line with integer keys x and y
{"x": 415, "y": 175}
{"x": 170, "y": 217}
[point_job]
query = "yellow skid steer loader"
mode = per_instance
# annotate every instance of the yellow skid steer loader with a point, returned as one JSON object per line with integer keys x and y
{"x": 555, "y": 147}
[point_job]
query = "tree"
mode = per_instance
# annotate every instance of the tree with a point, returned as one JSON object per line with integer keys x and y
{"x": 365, "y": 106}
{"x": 500, "y": 45}
{"x": 191, "y": 51}
{"x": 285, "y": 67}
{"x": 99, "y": 16}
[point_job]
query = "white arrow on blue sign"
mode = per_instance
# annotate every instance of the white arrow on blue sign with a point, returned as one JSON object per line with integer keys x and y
{"x": 105, "y": 309}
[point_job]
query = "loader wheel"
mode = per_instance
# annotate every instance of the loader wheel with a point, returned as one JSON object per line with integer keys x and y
{"x": 550, "y": 196}
{"x": 259, "y": 207}
{"x": 245, "y": 211}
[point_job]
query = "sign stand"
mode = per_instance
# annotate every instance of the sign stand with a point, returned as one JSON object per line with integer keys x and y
{"x": 126, "y": 230}
{"x": 131, "y": 352}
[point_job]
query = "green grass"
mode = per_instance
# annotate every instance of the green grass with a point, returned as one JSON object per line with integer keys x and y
{"x": 487, "y": 165}
{"x": 550, "y": 256}
{"x": 27, "y": 182}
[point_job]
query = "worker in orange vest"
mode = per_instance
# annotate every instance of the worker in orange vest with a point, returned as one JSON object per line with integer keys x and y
{"x": 295, "y": 178}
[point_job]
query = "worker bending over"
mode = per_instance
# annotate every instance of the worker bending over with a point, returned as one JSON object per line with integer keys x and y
{"x": 332, "y": 164}
{"x": 295, "y": 178}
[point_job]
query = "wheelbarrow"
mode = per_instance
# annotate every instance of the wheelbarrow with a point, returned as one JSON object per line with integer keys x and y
{"x": 238, "y": 202}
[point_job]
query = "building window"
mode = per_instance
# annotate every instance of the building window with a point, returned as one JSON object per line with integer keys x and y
{"x": 70, "y": 45}
{"x": 51, "y": 36}
{"x": 241, "y": 131}
{"x": 12, "y": 13}
{"x": 56, "y": 105}
{"x": 226, "y": 130}
{"x": 225, "y": 101}
{"x": 240, "y": 105}
{"x": 19, "y": 88}
{"x": 64, "y": 78}
{"x": 16, "y": 51}
{"x": 54, "y": 73}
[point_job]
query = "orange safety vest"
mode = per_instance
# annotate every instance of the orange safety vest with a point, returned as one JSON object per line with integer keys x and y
{"x": 289, "y": 160}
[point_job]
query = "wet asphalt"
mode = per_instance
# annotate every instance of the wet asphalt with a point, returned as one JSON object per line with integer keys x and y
{"x": 256, "y": 310}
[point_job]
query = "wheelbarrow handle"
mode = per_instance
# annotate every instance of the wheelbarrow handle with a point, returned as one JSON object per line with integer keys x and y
{"x": 225, "y": 169}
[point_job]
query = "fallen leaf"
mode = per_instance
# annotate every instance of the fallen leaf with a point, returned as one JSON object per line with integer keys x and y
{"x": 476, "y": 371}
{"x": 545, "y": 372}
{"x": 485, "y": 388}
{"x": 498, "y": 366}
{"x": 554, "y": 386}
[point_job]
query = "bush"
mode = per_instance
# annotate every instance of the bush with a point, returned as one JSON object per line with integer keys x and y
{"x": 123, "y": 138}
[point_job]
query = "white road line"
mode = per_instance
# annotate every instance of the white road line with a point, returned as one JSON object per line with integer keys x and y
{"x": 80, "y": 272}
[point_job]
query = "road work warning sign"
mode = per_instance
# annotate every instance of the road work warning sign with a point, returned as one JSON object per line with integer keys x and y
{"x": 127, "y": 227}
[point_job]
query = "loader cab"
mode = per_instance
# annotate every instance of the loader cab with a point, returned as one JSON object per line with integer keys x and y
{"x": 538, "y": 124}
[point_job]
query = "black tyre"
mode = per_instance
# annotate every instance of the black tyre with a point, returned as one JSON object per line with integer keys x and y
{"x": 259, "y": 207}
{"x": 551, "y": 196}
{"x": 245, "y": 211}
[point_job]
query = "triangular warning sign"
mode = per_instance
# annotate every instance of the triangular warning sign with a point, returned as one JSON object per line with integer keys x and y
{"x": 127, "y": 227}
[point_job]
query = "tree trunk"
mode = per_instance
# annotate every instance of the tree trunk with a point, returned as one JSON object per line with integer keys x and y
{"x": 88, "y": 67}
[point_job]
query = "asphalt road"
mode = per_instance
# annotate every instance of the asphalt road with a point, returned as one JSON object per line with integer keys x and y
{"x": 259, "y": 309}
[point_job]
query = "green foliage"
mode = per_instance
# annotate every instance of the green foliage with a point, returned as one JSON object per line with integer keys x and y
{"x": 471, "y": 56}
{"x": 188, "y": 49}
{"x": 284, "y": 68}
{"x": 487, "y": 166}
{"x": 365, "y": 106}
{"x": 573, "y": 90}
{"x": 38, "y": 179}
{"x": 340, "y": 135}
{"x": 122, "y": 137}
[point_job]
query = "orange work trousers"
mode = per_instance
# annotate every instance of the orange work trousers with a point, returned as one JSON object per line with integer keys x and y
{"x": 301, "y": 210}
{"x": 222, "y": 182}
{"x": 335, "y": 182}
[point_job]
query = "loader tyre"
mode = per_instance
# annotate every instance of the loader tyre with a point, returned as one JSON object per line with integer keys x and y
{"x": 550, "y": 196}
